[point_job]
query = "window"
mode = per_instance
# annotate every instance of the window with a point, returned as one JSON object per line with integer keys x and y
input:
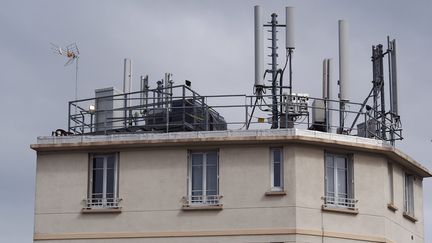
{"x": 390, "y": 181}
{"x": 203, "y": 178}
{"x": 103, "y": 175}
{"x": 339, "y": 181}
{"x": 409, "y": 195}
{"x": 276, "y": 161}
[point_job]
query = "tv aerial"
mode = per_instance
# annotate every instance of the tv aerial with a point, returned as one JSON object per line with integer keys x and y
{"x": 71, "y": 52}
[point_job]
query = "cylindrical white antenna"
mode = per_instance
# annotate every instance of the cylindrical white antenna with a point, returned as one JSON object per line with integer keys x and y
{"x": 343, "y": 61}
{"x": 127, "y": 86}
{"x": 127, "y": 78}
{"x": 289, "y": 22}
{"x": 329, "y": 105}
{"x": 259, "y": 47}
{"x": 326, "y": 92}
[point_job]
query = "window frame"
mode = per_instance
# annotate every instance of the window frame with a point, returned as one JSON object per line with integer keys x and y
{"x": 105, "y": 203}
{"x": 204, "y": 178}
{"x": 349, "y": 200}
{"x": 409, "y": 206}
{"x": 390, "y": 181}
{"x": 274, "y": 188}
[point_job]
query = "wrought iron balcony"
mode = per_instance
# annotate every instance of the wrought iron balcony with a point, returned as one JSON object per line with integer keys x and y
{"x": 202, "y": 200}
{"x": 102, "y": 203}
{"x": 341, "y": 202}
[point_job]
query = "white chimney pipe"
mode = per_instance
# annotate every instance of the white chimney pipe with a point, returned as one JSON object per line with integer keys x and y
{"x": 259, "y": 47}
{"x": 289, "y": 22}
{"x": 343, "y": 61}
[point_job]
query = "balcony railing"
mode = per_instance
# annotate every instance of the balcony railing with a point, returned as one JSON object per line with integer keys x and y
{"x": 202, "y": 200}
{"x": 102, "y": 203}
{"x": 349, "y": 203}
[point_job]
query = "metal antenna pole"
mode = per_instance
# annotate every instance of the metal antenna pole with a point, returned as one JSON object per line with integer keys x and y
{"x": 375, "y": 81}
{"x": 274, "y": 71}
{"x": 383, "y": 111}
{"x": 341, "y": 116}
{"x": 290, "y": 51}
{"x": 76, "y": 83}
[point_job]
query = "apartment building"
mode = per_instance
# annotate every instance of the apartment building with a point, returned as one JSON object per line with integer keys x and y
{"x": 284, "y": 185}
{"x": 163, "y": 165}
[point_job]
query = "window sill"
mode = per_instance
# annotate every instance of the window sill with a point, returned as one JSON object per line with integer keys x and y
{"x": 335, "y": 209}
{"x": 202, "y": 207}
{"x": 101, "y": 210}
{"x": 275, "y": 193}
{"x": 410, "y": 217}
{"x": 392, "y": 207}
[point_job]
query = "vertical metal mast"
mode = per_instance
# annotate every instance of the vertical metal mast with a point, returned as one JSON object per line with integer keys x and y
{"x": 275, "y": 115}
{"x": 259, "y": 75}
{"x": 378, "y": 90}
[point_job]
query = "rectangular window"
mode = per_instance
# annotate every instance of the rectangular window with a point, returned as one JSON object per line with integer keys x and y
{"x": 390, "y": 182}
{"x": 409, "y": 195}
{"x": 276, "y": 164}
{"x": 203, "y": 178}
{"x": 339, "y": 181}
{"x": 103, "y": 181}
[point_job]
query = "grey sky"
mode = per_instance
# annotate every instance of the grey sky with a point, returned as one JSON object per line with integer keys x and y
{"x": 207, "y": 42}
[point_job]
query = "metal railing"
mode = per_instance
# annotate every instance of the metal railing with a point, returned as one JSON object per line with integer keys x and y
{"x": 202, "y": 200}
{"x": 330, "y": 201}
{"x": 179, "y": 108}
{"x": 102, "y": 203}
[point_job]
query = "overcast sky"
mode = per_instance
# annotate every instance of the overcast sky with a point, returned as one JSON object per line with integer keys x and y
{"x": 207, "y": 42}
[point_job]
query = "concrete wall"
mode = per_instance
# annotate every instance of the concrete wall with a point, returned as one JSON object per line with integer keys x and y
{"x": 153, "y": 181}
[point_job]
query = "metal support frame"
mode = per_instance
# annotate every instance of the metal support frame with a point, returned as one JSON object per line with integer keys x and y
{"x": 378, "y": 89}
{"x": 388, "y": 123}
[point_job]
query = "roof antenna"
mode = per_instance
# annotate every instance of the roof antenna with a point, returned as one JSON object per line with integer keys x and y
{"x": 71, "y": 51}
{"x": 276, "y": 85}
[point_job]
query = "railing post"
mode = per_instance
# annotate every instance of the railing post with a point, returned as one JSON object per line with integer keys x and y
{"x": 167, "y": 118}
{"x": 69, "y": 116}
{"x": 206, "y": 114}
{"x": 246, "y": 112}
{"x": 184, "y": 108}
{"x": 82, "y": 123}
{"x": 125, "y": 110}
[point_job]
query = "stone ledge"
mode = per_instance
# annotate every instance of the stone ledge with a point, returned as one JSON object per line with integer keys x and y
{"x": 392, "y": 207}
{"x": 275, "y": 193}
{"x": 353, "y": 211}
{"x": 101, "y": 210}
{"x": 410, "y": 217}
{"x": 202, "y": 208}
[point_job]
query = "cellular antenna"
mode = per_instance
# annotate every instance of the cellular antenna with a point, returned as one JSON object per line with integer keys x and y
{"x": 259, "y": 50}
{"x": 343, "y": 72}
{"x": 276, "y": 87}
{"x": 289, "y": 28}
{"x": 127, "y": 87}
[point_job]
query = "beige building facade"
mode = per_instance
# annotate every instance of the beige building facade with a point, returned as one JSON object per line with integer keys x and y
{"x": 284, "y": 185}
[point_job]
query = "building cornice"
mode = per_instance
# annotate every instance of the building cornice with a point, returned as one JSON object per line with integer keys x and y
{"x": 228, "y": 137}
